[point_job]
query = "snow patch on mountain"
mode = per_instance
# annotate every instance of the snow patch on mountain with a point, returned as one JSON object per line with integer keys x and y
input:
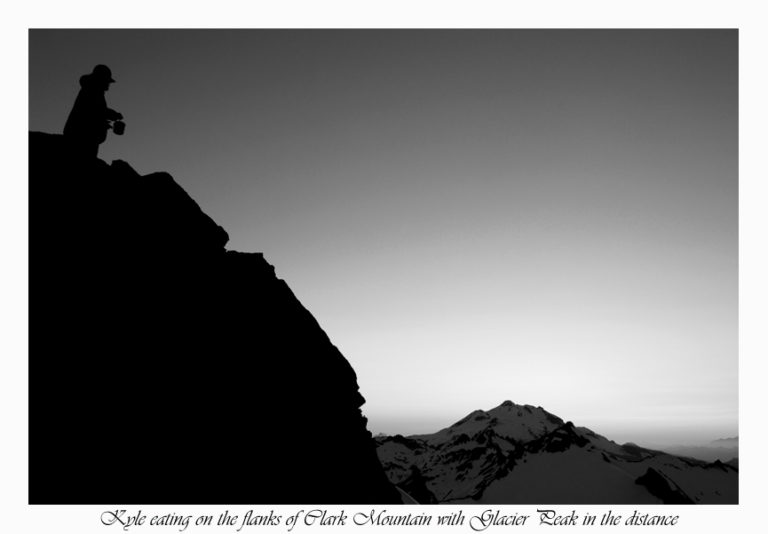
{"x": 514, "y": 454}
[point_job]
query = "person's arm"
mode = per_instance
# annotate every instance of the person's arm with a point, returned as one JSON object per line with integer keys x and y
{"x": 113, "y": 115}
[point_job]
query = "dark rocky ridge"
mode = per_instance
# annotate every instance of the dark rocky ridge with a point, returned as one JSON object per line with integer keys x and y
{"x": 167, "y": 369}
{"x": 663, "y": 488}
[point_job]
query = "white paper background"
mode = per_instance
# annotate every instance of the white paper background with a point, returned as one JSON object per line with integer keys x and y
{"x": 17, "y": 516}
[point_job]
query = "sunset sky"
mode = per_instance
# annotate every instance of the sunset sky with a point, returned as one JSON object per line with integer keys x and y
{"x": 549, "y": 217}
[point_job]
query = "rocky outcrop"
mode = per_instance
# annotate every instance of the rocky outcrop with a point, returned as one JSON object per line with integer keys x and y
{"x": 167, "y": 369}
{"x": 663, "y": 488}
{"x": 559, "y": 440}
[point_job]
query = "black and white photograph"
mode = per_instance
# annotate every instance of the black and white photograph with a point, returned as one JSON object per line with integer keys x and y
{"x": 382, "y": 266}
{"x": 376, "y": 274}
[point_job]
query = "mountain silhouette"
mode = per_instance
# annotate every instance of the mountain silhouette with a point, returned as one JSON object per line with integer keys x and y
{"x": 166, "y": 369}
{"x": 521, "y": 454}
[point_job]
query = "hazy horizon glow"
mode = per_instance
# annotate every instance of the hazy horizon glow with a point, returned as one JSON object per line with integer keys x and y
{"x": 549, "y": 217}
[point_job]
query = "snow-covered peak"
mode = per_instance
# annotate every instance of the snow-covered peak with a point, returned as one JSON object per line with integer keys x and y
{"x": 509, "y": 420}
{"x": 523, "y": 454}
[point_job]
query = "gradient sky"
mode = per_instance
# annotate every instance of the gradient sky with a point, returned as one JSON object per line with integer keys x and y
{"x": 549, "y": 217}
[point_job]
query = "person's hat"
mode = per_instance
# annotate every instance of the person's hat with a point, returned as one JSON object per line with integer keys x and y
{"x": 103, "y": 72}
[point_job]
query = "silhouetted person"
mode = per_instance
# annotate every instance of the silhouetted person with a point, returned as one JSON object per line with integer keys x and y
{"x": 90, "y": 118}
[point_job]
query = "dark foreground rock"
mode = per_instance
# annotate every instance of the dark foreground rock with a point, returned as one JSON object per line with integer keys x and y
{"x": 167, "y": 369}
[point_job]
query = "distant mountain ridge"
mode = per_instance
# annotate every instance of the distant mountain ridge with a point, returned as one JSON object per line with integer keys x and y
{"x": 514, "y": 454}
{"x": 724, "y": 449}
{"x": 725, "y": 442}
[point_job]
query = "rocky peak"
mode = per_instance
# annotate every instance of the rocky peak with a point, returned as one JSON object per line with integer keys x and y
{"x": 155, "y": 350}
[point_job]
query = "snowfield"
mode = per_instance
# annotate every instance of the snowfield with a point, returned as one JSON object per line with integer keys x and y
{"x": 519, "y": 454}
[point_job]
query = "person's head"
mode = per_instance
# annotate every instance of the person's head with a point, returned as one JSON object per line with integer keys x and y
{"x": 102, "y": 76}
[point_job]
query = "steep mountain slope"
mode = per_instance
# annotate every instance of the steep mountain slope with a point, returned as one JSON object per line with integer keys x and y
{"x": 521, "y": 454}
{"x": 167, "y": 369}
